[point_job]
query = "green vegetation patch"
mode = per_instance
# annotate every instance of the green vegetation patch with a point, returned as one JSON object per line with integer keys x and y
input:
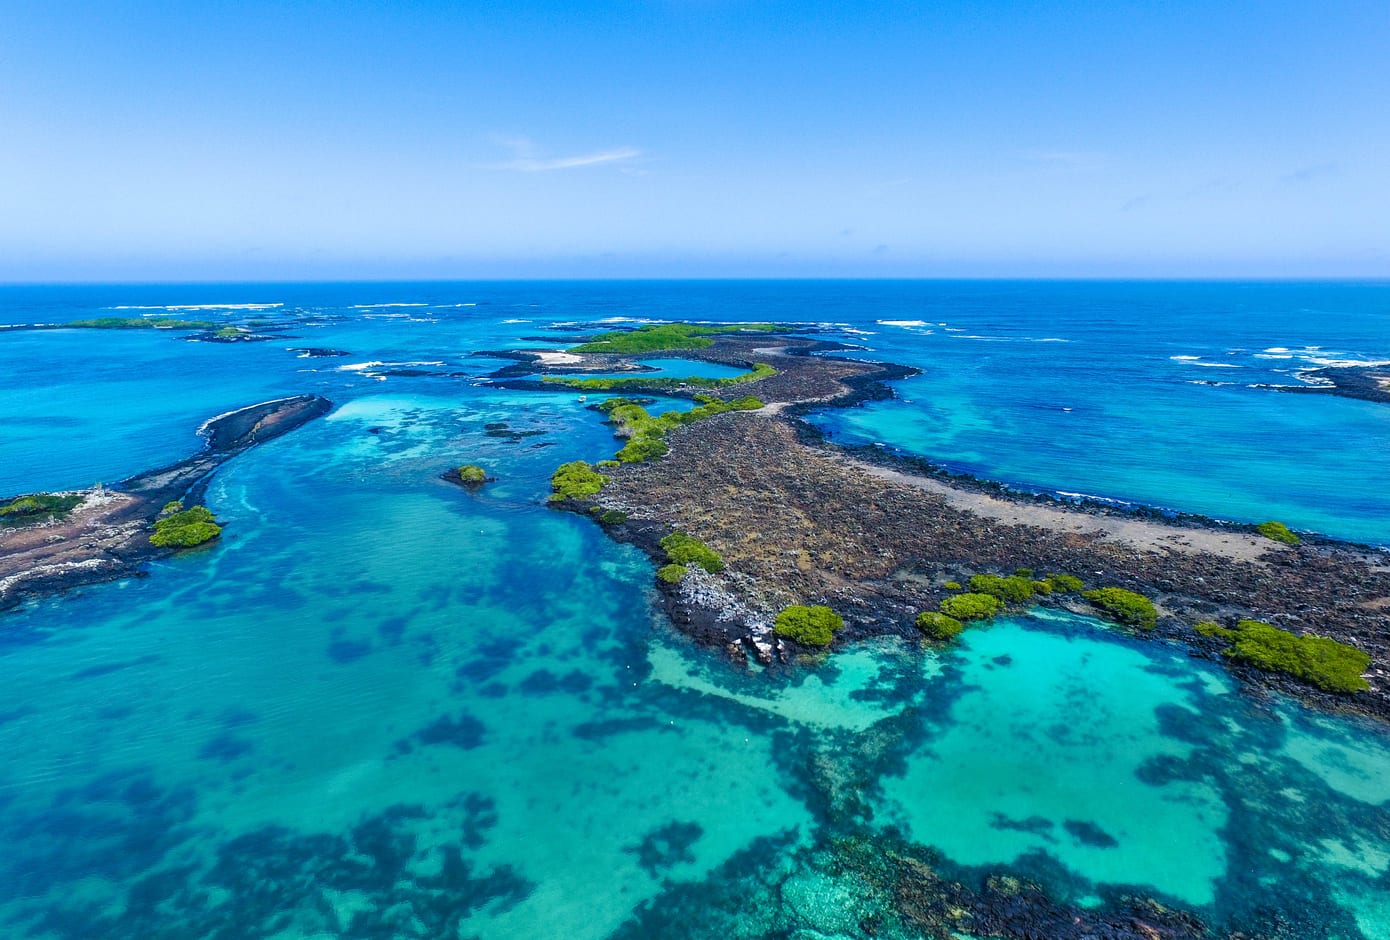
{"x": 1014, "y": 589}
{"x": 683, "y": 549}
{"x": 1213, "y": 629}
{"x": 672, "y": 574}
{"x": 760, "y": 370}
{"x": 659, "y": 336}
{"x": 938, "y": 626}
{"x": 40, "y": 504}
{"x": 576, "y": 480}
{"x": 1278, "y": 532}
{"x": 185, "y": 528}
{"x": 971, "y": 606}
{"x": 472, "y": 475}
{"x": 1317, "y": 660}
{"x": 1124, "y": 606}
{"x": 646, "y": 434}
{"x": 1065, "y": 583}
{"x": 810, "y": 626}
{"x": 953, "y": 586}
{"x": 611, "y": 517}
{"x": 141, "y": 323}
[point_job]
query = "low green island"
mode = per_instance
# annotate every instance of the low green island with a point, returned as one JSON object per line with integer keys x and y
{"x": 184, "y": 528}
{"x": 141, "y": 323}
{"x": 663, "y": 336}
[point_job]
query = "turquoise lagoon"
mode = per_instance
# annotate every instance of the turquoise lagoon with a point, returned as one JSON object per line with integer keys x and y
{"x": 383, "y": 706}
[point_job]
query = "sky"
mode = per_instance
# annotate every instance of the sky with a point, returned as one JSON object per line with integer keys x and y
{"x": 147, "y": 141}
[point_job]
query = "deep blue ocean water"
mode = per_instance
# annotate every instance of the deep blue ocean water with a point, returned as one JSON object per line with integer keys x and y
{"x": 383, "y": 706}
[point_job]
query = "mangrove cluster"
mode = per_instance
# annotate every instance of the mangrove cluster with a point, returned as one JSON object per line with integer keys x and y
{"x": 184, "y": 528}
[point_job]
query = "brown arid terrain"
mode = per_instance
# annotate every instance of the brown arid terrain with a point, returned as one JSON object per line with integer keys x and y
{"x": 877, "y": 537}
{"x": 107, "y": 535}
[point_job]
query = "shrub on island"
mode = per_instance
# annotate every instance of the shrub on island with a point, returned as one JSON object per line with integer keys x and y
{"x": 1278, "y": 532}
{"x": 40, "y": 504}
{"x": 576, "y": 480}
{"x": 953, "y": 586}
{"x": 1065, "y": 583}
{"x": 809, "y": 626}
{"x": 971, "y": 606}
{"x": 610, "y": 516}
{"x": 472, "y": 475}
{"x": 1014, "y": 589}
{"x": 683, "y": 549}
{"x": 938, "y": 626}
{"x": 1124, "y": 606}
{"x": 185, "y": 528}
{"x": 1317, "y": 660}
{"x": 672, "y": 574}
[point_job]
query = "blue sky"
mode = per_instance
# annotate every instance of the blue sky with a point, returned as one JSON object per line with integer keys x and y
{"x": 651, "y": 138}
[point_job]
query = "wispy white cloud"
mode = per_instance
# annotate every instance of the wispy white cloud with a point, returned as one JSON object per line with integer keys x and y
{"x": 526, "y": 160}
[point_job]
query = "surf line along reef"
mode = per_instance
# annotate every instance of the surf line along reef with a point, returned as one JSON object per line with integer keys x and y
{"x": 52, "y": 542}
{"x": 757, "y": 522}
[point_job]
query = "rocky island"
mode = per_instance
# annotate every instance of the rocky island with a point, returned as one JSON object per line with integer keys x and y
{"x": 56, "y": 542}
{"x": 885, "y": 541}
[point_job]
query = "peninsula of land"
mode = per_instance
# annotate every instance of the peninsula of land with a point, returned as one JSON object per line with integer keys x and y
{"x": 103, "y": 533}
{"x": 879, "y": 538}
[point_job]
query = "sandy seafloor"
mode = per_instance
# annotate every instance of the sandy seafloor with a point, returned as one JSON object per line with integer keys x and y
{"x": 383, "y": 706}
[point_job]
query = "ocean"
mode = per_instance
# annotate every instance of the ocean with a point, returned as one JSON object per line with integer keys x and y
{"x": 383, "y": 706}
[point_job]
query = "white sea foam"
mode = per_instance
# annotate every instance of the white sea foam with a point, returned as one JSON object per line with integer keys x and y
{"x": 846, "y": 329}
{"x": 626, "y": 320}
{"x": 1346, "y": 363}
{"x": 375, "y": 306}
{"x": 902, "y": 322}
{"x": 514, "y": 320}
{"x": 1184, "y": 358}
{"x": 196, "y": 307}
{"x": 360, "y": 366}
{"x": 1277, "y": 349}
{"x": 1216, "y": 365}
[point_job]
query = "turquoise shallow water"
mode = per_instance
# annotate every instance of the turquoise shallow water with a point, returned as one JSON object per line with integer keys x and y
{"x": 383, "y": 706}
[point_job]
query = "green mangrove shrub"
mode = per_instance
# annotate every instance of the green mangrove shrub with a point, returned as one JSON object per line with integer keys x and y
{"x": 672, "y": 574}
{"x": 809, "y": 626}
{"x": 953, "y": 586}
{"x": 576, "y": 480}
{"x": 1065, "y": 583}
{"x": 1014, "y": 589}
{"x": 683, "y": 549}
{"x": 40, "y": 504}
{"x": 971, "y": 606}
{"x": 185, "y": 528}
{"x": 1316, "y": 660}
{"x": 472, "y": 475}
{"x": 937, "y": 625}
{"x": 1278, "y": 532}
{"x": 1124, "y": 606}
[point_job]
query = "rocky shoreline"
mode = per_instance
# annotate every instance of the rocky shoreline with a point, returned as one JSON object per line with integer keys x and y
{"x": 877, "y": 536}
{"x": 106, "y": 536}
{"x": 1365, "y": 383}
